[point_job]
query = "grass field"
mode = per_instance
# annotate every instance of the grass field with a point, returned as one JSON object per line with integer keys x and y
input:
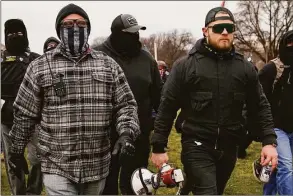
{"x": 242, "y": 180}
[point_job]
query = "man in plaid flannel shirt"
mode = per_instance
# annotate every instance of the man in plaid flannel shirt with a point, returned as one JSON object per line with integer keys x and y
{"x": 73, "y": 95}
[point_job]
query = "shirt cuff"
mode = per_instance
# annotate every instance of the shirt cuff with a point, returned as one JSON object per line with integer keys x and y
{"x": 269, "y": 140}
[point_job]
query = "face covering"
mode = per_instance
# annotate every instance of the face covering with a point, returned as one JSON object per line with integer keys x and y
{"x": 16, "y": 44}
{"x": 127, "y": 44}
{"x": 74, "y": 40}
{"x": 287, "y": 57}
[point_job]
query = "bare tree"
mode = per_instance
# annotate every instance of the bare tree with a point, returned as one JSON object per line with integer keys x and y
{"x": 171, "y": 45}
{"x": 261, "y": 24}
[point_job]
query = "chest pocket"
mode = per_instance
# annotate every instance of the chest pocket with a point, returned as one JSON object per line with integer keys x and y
{"x": 200, "y": 100}
{"x": 49, "y": 91}
{"x": 102, "y": 84}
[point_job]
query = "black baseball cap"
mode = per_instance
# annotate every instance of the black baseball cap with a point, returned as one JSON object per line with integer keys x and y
{"x": 126, "y": 23}
{"x": 213, "y": 12}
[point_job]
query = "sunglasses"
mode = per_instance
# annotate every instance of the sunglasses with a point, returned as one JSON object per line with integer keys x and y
{"x": 219, "y": 28}
{"x": 70, "y": 23}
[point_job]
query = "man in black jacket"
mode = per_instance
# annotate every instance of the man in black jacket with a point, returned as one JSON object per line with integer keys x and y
{"x": 15, "y": 60}
{"x": 210, "y": 86}
{"x": 143, "y": 76}
{"x": 277, "y": 81}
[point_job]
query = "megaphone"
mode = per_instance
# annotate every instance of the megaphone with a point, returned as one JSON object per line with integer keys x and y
{"x": 144, "y": 182}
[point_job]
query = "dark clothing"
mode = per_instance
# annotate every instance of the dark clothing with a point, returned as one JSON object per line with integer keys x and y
{"x": 279, "y": 94}
{"x": 207, "y": 170}
{"x": 144, "y": 80}
{"x": 13, "y": 69}
{"x": 211, "y": 89}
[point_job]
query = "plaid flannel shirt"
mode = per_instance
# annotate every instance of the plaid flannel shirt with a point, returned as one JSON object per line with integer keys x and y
{"x": 73, "y": 130}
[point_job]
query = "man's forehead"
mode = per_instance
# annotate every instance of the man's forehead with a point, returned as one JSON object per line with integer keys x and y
{"x": 73, "y": 16}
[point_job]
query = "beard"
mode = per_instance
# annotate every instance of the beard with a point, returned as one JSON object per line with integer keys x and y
{"x": 220, "y": 45}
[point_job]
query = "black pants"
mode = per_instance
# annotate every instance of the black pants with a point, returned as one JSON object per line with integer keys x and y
{"x": 18, "y": 186}
{"x": 207, "y": 170}
{"x": 142, "y": 150}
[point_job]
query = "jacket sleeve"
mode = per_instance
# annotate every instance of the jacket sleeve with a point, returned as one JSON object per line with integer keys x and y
{"x": 169, "y": 105}
{"x": 26, "y": 111}
{"x": 266, "y": 77}
{"x": 259, "y": 107}
{"x": 156, "y": 86}
{"x": 124, "y": 104}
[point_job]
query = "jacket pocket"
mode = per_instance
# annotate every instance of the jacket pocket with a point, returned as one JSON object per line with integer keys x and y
{"x": 102, "y": 85}
{"x": 200, "y": 100}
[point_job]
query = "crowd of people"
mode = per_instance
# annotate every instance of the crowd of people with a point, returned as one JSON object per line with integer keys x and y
{"x": 86, "y": 115}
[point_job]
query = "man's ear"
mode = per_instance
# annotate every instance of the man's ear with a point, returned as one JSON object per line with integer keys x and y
{"x": 205, "y": 31}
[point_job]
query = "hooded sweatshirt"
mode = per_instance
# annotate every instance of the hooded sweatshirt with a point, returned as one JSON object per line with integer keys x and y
{"x": 144, "y": 80}
{"x": 277, "y": 81}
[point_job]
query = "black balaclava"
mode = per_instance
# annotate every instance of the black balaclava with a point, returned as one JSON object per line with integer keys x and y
{"x": 286, "y": 53}
{"x": 15, "y": 44}
{"x": 127, "y": 44}
{"x": 48, "y": 41}
{"x": 74, "y": 41}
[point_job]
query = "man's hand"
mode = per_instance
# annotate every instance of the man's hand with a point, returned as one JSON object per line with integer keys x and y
{"x": 158, "y": 159}
{"x": 269, "y": 154}
{"x": 18, "y": 164}
{"x": 124, "y": 147}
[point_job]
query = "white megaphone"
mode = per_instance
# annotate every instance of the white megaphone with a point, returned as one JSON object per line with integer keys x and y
{"x": 143, "y": 181}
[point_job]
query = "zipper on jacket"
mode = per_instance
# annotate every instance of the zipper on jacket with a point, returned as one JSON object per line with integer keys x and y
{"x": 217, "y": 138}
{"x": 218, "y": 105}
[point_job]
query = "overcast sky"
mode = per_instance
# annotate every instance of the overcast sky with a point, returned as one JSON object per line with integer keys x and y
{"x": 158, "y": 16}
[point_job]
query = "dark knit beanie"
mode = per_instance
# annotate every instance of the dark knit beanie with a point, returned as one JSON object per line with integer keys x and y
{"x": 67, "y": 10}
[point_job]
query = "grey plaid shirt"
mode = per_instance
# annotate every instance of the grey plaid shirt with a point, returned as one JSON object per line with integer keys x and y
{"x": 73, "y": 130}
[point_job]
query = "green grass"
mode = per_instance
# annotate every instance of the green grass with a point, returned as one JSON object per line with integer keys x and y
{"x": 241, "y": 182}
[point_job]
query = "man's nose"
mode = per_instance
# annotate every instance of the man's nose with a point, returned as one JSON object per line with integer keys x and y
{"x": 225, "y": 32}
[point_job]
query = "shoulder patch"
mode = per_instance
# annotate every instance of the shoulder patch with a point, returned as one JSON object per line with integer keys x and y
{"x": 10, "y": 58}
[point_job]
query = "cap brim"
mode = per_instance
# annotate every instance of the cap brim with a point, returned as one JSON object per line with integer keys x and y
{"x": 134, "y": 29}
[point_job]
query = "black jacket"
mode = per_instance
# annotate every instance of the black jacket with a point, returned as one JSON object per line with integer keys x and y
{"x": 279, "y": 94}
{"x": 210, "y": 90}
{"x": 144, "y": 80}
{"x": 13, "y": 69}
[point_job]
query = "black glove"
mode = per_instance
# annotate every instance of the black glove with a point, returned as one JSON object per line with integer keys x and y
{"x": 18, "y": 164}
{"x": 125, "y": 147}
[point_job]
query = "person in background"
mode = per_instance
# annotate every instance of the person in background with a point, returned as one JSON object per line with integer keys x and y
{"x": 50, "y": 44}
{"x": 163, "y": 69}
{"x": 14, "y": 63}
{"x": 276, "y": 78}
{"x": 143, "y": 76}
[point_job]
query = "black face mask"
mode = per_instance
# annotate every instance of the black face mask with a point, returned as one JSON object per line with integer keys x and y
{"x": 287, "y": 57}
{"x": 16, "y": 44}
{"x": 127, "y": 44}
